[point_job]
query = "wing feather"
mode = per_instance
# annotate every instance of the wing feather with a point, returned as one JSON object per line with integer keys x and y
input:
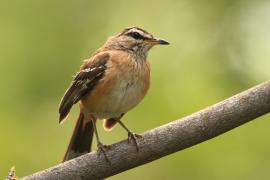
{"x": 85, "y": 80}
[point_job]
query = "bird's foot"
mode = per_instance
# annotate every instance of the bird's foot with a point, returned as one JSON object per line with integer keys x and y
{"x": 133, "y": 137}
{"x": 102, "y": 149}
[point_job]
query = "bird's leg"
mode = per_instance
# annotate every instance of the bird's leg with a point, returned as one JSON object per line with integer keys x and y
{"x": 131, "y": 135}
{"x": 101, "y": 147}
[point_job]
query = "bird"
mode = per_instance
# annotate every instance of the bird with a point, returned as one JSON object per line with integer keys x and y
{"x": 110, "y": 83}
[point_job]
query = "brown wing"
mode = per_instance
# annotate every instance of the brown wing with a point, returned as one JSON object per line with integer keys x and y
{"x": 85, "y": 80}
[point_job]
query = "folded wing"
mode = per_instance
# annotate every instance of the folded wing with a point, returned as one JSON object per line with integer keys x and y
{"x": 85, "y": 80}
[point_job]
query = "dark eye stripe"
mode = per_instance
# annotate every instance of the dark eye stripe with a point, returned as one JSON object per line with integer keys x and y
{"x": 135, "y": 35}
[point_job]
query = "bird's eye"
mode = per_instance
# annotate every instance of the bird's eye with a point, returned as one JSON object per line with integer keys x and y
{"x": 135, "y": 35}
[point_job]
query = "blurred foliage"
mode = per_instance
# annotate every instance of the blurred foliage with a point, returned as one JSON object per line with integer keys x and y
{"x": 218, "y": 48}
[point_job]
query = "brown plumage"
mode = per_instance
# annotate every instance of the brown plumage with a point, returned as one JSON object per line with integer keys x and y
{"x": 113, "y": 81}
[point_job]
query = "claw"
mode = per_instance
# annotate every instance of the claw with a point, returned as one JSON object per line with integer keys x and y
{"x": 133, "y": 137}
{"x": 102, "y": 149}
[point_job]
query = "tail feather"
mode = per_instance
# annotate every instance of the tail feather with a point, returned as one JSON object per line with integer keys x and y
{"x": 81, "y": 139}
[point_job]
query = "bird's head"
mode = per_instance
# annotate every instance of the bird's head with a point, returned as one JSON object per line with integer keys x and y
{"x": 135, "y": 40}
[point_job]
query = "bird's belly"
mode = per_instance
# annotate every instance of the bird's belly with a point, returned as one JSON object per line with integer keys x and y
{"x": 117, "y": 98}
{"x": 123, "y": 86}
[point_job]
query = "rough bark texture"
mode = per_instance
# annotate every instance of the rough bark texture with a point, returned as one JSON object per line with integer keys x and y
{"x": 166, "y": 139}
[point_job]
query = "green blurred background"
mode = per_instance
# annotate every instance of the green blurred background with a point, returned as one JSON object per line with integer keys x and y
{"x": 218, "y": 48}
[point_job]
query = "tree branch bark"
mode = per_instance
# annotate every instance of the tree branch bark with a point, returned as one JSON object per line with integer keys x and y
{"x": 164, "y": 140}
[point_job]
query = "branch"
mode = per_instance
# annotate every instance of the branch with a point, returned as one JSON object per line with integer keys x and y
{"x": 166, "y": 139}
{"x": 12, "y": 174}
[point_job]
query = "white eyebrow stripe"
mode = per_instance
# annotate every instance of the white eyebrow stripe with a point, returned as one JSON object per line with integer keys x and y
{"x": 140, "y": 32}
{"x": 136, "y": 30}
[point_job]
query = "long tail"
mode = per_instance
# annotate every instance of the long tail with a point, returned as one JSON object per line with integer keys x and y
{"x": 81, "y": 139}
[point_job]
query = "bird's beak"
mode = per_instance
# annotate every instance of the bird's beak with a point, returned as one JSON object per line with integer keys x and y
{"x": 155, "y": 41}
